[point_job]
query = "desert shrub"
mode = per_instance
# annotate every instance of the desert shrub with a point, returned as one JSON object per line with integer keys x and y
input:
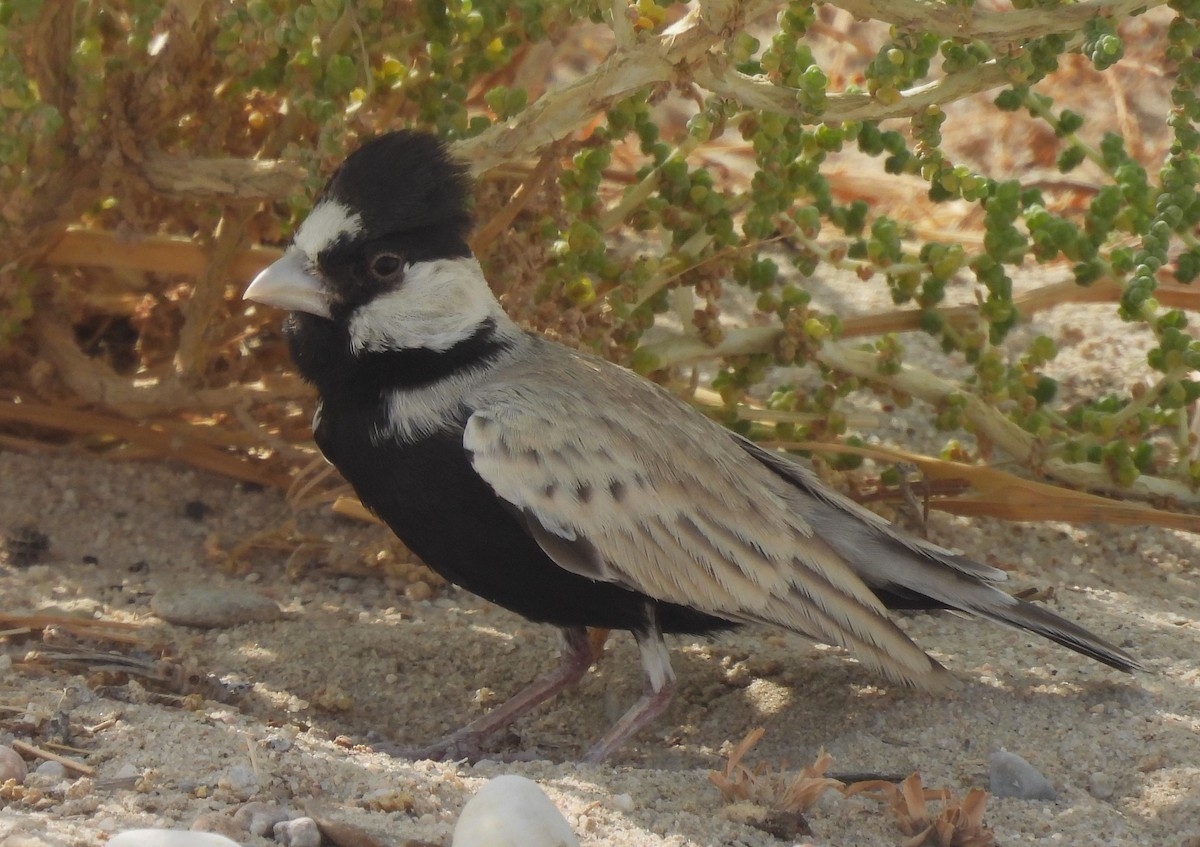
{"x": 640, "y": 165}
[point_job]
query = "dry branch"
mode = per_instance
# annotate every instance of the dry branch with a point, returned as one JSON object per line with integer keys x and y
{"x": 557, "y": 114}
{"x": 997, "y": 494}
{"x": 152, "y": 253}
{"x": 39, "y": 753}
{"x": 95, "y": 382}
{"x": 208, "y": 295}
{"x": 996, "y": 28}
{"x": 166, "y": 445}
{"x": 227, "y": 180}
{"x": 101, "y": 630}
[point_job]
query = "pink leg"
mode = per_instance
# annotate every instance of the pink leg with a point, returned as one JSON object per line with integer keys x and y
{"x": 660, "y": 687}
{"x": 577, "y": 657}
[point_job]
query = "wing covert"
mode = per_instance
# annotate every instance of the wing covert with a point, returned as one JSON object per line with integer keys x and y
{"x": 621, "y": 482}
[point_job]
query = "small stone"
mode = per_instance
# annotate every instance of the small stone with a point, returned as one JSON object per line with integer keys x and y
{"x": 621, "y": 803}
{"x": 196, "y": 510}
{"x": 279, "y": 744}
{"x": 512, "y": 811}
{"x": 12, "y": 766}
{"x": 258, "y": 818}
{"x": 240, "y": 781}
{"x": 218, "y": 823}
{"x": 418, "y": 591}
{"x": 300, "y": 832}
{"x": 1011, "y": 776}
{"x": 214, "y": 607}
{"x": 169, "y": 838}
{"x": 1101, "y": 785}
{"x": 51, "y": 770}
{"x": 80, "y": 788}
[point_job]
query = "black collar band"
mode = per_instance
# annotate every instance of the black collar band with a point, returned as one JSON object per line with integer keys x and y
{"x": 322, "y": 352}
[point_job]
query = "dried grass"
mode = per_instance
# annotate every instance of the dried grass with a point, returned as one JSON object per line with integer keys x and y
{"x": 773, "y": 791}
{"x": 772, "y": 788}
{"x": 958, "y": 824}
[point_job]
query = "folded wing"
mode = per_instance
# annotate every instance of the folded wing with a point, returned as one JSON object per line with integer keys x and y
{"x": 619, "y": 481}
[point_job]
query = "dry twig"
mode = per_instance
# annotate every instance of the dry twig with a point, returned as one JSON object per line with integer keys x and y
{"x": 960, "y": 823}
{"x": 768, "y": 787}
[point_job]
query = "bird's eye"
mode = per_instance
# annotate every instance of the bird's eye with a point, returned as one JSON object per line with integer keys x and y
{"x": 386, "y": 266}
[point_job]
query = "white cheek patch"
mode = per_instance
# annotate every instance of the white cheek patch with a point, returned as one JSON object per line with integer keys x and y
{"x": 439, "y": 304}
{"x": 325, "y": 224}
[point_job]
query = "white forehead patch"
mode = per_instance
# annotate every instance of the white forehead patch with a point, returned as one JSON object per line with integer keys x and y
{"x": 326, "y": 223}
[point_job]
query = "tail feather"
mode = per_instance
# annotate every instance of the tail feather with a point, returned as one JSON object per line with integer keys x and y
{"x": 909, "y": 573}
{"x": 1034, "y": 618}
{"x": 899, "y": 571}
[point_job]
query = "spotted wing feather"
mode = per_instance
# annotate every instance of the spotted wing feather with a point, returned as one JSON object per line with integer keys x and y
{"x": 619, "y": 481}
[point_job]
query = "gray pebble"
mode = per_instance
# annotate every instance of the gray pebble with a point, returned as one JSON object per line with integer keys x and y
{"x": 300, "y": 832}
{"x": 241, "y": 780}
{"x": 279, "y": 743}
{"x": 260, "y": 818}
{"x": 1011, "y": 776}
{"x": 1101, "y": 785}
{"x": 214, "y": 607}
{"x": 51, "y": 770}
{"x": 12, "y": 766}
{"x": 125, "y": 773}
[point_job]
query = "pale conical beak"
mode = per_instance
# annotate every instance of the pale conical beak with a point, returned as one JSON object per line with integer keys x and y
{"x": 290, "y": 283}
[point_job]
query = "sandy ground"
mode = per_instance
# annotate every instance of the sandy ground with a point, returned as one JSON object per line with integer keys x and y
{"x": 353, "y": 658}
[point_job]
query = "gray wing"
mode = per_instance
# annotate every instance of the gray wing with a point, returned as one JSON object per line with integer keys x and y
{"x": 875, "y": 547}
{"x": 889, "y": 561}
{"x": 620, "y": 482}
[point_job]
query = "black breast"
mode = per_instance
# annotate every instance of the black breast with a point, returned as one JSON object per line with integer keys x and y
{"x": 430, "y": 496}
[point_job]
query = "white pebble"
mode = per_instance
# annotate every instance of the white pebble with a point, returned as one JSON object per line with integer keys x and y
{"x": 621, "y": 803}
{"x": 12, "y": 766}
{"x": 301, "y": 832}
{"x": 1011, "y": 776}
{"x": 169, "y": 838}
{"x": 512, "y": 811}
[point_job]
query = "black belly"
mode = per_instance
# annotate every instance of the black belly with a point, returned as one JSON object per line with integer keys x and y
{"x": 430, "y": 496}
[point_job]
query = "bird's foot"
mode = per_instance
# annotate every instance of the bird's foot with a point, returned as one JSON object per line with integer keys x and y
{"x": 456, "y": 747}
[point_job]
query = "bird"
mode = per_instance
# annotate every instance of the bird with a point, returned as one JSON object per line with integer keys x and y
{"x": 566, "y": 488}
